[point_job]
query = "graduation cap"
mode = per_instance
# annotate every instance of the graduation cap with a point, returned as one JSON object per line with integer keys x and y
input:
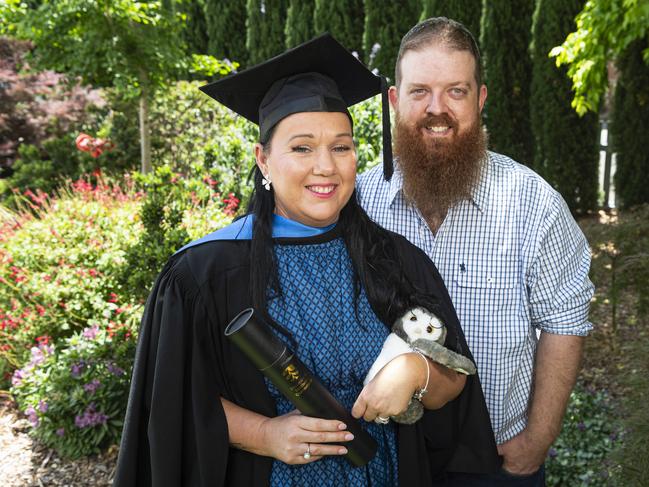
{"x": 317, "y": 76}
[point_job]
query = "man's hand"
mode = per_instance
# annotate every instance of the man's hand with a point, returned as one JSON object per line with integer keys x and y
{"x": 522, "y": 455}
{"x": 555, "y": 372}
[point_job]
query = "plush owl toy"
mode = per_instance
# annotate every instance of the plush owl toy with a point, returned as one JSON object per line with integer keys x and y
{"x": 418, "y": 330}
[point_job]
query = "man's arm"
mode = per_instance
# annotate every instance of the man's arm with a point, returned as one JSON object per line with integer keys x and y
{"x": 558, "y": 358}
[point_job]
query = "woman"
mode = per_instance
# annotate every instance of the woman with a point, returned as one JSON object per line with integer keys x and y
{"x": 329, "y": 281}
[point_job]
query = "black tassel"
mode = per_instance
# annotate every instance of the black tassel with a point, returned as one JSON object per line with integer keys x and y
{"x": 388, "y": 169}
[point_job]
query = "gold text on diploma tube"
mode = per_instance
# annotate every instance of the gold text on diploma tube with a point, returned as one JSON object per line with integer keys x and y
{"x": 299, "y": 384}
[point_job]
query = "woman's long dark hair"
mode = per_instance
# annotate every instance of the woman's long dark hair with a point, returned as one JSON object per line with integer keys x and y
{"x": 376, "y": 262}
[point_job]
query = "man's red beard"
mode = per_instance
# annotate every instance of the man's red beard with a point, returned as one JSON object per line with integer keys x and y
{"x": 437, "y": 174}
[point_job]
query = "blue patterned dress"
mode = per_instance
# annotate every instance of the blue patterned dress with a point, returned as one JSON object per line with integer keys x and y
{"x": 317, "y": 307}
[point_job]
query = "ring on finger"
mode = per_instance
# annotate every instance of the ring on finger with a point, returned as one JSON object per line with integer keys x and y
{"x": 382, "y": 419}
{"x": 307, "y": 453}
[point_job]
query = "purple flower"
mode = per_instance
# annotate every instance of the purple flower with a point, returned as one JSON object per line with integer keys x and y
{"x": 60, "y": 431}
{"x": 92, "y": 386}
{"x": 91, "y": 333}
{"x": 552, "y": 453}
{"x": 38, "y": 354}
{"x": 30, "y": 412}
{"x": 76, "y": 369}
{"x": 42, "y": 406}
{"x": 90, "y": 418}
{"x": 17, "y": 378}
{"x": 114, "y": 369}
{"x": 581, "y": 427}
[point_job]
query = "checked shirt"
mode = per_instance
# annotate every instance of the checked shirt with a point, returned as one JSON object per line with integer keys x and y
{"x": 515, "y": 263}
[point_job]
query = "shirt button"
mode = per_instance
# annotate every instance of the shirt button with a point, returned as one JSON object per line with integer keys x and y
{"x": 490, "y": 280}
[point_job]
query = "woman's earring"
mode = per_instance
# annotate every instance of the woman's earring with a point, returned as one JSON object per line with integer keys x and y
{"x": 266, "y": 183}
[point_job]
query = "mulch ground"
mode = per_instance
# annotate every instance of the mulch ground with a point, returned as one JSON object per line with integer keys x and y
{"x": 26, "y": 463}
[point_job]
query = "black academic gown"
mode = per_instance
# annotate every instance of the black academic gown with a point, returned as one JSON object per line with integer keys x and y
{"x": 176, "y": 434}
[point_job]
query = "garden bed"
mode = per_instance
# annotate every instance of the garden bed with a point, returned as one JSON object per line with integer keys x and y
{"x": 26, "y": 463}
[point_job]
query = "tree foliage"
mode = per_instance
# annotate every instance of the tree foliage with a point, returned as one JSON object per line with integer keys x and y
{"x": 133, "y": 46}
{"x": 265, "y": 26}
{"x": 466, "y": 11}
{"x": 505, "y": 37}
{"x": 226, "y": 27}
{"x": 123, "y": 43}
{"x": 36, "y": 106}
{"x": 343, "y": 19}
{"x": 604, "y": 30}
{"x": 385, "y": 25}
{"x": 565, "y": 145}
{"x": 299, "y": 22}
{"x": 629, "y": 126}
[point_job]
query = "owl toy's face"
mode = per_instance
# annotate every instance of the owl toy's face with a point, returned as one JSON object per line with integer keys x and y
{"x": 418, "y": 323}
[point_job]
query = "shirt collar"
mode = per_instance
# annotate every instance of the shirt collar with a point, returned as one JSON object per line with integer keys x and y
{"x": 479, "y": 196}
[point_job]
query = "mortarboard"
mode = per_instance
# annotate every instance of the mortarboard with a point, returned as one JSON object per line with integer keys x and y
{"x": 317, "y": 76}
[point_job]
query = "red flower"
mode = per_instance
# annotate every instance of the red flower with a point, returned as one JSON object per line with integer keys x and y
{"x": 95, "y": 147}
{"x": 112, "y": 298}
{"x": 210, "y": 181}
{"x": 232, "y": 203}
{"x": 43, "y": 340}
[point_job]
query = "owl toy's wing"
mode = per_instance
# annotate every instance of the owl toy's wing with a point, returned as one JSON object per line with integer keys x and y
{"x": 442, "y": 355}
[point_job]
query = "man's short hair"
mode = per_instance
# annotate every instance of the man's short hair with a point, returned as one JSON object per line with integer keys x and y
{"x": 443, "y": 31}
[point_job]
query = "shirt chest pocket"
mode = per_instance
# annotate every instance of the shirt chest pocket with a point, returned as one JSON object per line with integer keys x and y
{"x": 488, "y": 285}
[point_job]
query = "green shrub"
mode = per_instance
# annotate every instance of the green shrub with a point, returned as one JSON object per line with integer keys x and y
{"x": 67, "y": 320}
{"x": 588, "y": 435}
{"x": 75, "y": 395}
{"x": 368, "y": 132}
{"x": 47, "y": 167}
{"x": 175, "y": 211}
{"x": 59, "y": 262}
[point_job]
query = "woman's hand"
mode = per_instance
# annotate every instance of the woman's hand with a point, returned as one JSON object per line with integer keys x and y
{"x": 288, "y": 437}
{"x": 389, "y": 393}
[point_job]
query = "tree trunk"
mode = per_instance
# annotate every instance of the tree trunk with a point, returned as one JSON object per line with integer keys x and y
{"x": 145, "y": 135}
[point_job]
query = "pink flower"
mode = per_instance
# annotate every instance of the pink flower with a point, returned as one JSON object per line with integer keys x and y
{"x": 91, "y": 333}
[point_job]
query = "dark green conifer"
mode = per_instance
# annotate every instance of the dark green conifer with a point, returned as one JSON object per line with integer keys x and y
{"x": 385, "y": 25}
{"x": 226, "y": 29}
{"x": 299, "y": 22}
{"x": 265, "y": 26}
{"x": 196, "y": 29}
{"x": 566, "y": 151}
{"x": 343, "y": 19}
{"x": 505, "y": 37}
{"x": 630, "y": 126}
{"x": 466, "y": 11}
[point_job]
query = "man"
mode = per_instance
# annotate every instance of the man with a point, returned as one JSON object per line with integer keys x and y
{"x": 513, "y": 259}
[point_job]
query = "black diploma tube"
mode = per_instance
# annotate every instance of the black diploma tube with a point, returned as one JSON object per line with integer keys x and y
{"x": 298, "y": 384}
